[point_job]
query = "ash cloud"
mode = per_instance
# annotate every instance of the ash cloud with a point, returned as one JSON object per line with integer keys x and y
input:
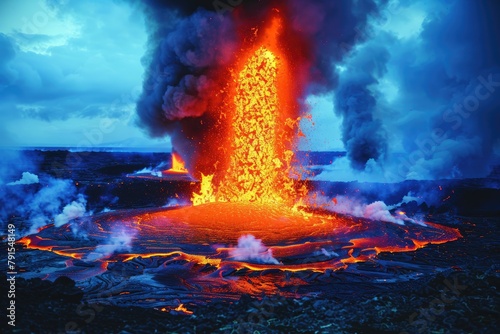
{"x": 188, "y": 49}
{"x": 404, "y": 75}
{"x": 191, "y": 44}
{"x": 179, "y": 71}
{"x": 362, "y": 134}
{"x": 422, "y": 102}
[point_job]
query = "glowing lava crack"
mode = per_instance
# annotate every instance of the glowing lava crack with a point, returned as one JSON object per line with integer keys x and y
{"x": 186, "y": 254}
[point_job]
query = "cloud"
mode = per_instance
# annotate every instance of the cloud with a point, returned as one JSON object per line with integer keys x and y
{"x": 419, "y": 93}
{"x": 79, "y": 64}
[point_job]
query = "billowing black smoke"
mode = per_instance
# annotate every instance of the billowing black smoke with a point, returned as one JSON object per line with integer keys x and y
{"x": 363, "y": 135}
{"x": 446, "y": 111}
{"x": 421, "y": 131}
{"x": 192, "y": 42}
{"x": 187, "y": 45}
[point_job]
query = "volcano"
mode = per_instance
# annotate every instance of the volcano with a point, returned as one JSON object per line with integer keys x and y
{"x": 241, "y": 228}
{"x": 249, "y": 229}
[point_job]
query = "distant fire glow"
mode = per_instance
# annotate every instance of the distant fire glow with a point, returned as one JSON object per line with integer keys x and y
{"x": 178, "y": 165}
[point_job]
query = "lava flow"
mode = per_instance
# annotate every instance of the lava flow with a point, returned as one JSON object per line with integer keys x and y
{"x": 246, "y": 218}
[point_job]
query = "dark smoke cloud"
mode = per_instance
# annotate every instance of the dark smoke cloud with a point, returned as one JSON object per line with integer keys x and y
{"x": 433, "y": 70}
{"x": 362, "y": 135}
{"x": 446, "y": 129}
{"x": 334, "y": 28}
{"x": 432, "y": 123}
{"x": 188, "y": 49}
{"x": 181, "y": 62}
{"x": 191, "y": 43}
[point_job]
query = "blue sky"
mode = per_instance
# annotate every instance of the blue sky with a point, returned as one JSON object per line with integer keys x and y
{"x": 71, "y": 73}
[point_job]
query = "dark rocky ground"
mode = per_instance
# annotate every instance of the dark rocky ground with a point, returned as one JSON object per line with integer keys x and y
{"x": 456, "y": 302}
{"x": 461, "y": 299}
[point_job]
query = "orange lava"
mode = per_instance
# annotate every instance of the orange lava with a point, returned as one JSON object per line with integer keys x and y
{"x": 190, "y": 251}
{"x": 261, "y": 152}
{"x": 287, "y": 232}
{"x": 37, "y": 242}
{"x": 178, "y": 165}
{"x": 192, "y": 246}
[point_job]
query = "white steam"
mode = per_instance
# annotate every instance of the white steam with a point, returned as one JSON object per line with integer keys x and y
{"x": 149, "y": 170}
{"x": 156, "y": 171}
{"x": 175, "y": 202}
{"x": 120, "y": 240}
{"x": 75, "y": 209}
{"x": 374, "y": 211}
{"x": 27, "y": 178}
{"x": 51, "y": 201}
{"x": 251, "y": 249}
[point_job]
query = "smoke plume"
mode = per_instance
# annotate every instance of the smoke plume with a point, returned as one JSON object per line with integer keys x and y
{"x": 40, "y": 203}
{"x": 405, "y": 77}
{"x": 191, "y": 45}
{"x": 422, "y": 102}
{"x": 251, "y": 249}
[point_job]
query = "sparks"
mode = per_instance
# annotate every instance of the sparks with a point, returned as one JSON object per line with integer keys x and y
{"x": 256, "y": 171}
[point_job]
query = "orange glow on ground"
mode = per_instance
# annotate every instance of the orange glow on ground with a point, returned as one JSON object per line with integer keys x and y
{"x": 288, "y": 233}
{"x": 192, "y": 246}
{"x": 183, "y": 309}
